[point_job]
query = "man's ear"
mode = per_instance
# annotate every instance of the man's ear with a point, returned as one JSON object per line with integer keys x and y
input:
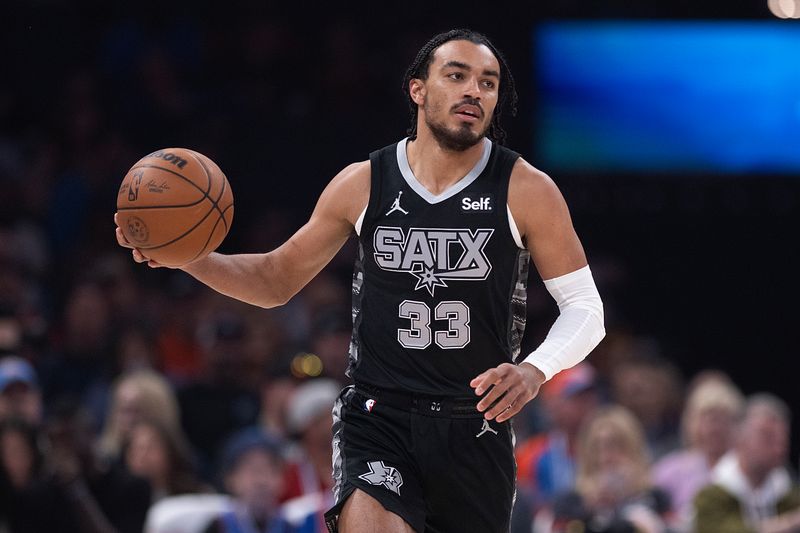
{"x": 416, "y": 88}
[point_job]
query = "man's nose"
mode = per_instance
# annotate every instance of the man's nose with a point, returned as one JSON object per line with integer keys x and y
{"x": 472, "y": 89}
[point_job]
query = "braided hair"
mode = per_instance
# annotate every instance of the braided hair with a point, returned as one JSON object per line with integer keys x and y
{"x": 421, "y": 65}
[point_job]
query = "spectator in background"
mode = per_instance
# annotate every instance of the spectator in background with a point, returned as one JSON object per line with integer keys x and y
{"x": 25, "y": 501}
{"x": 276, "y": 390}
{"x": 180, "y": 354}
{"x": 546, "y": 461}
{"x": 751, "y": 489}
{"x": 20, "y": 395}
{"x": 220, "y": 402}
{"x": 265, "y": 344}
{"x": 10, "y": 328}
{"x": 160, "y": 454}
{"x": 20, "y": 457}
{"x": 651, "y": 388}
{"x": 80, "y": 366}
{"x": 136, "y": 349}
{"x": 91, "y": 495}
{"x": 23, "y": 263}
{"x": 125, "y": 296}
{"x": 330, "y": 336}
{"x": 308, "y": 480}
{"x": 252, "y": 473}
{"x": 310, "y": 422}
{"x": 138, "y": 395}
{"x": 712, "y": 410}
{"x": 613, "y": 491}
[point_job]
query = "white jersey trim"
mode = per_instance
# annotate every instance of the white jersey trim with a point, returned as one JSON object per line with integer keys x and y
{"x": 360, "y": 220}
{"x": 514, "y": 230}
{"x": 457, "y": 187}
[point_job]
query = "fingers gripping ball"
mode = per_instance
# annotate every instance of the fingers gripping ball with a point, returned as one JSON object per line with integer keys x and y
{"x": 175, "y": 205}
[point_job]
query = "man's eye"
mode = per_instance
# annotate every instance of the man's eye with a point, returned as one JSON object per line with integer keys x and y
{"x": 456, "y": 76}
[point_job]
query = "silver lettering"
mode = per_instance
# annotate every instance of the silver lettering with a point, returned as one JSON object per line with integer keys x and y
{"x": 389, "y": 248}
{"x": 473, "y": 263}
{"x": 440, "y": 240}
{"x": 418, "y": 250}
{"x": 433, "y": 256}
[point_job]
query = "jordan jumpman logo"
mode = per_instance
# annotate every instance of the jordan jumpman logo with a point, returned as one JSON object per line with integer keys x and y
{"x": 396, "y": 205}
{"x": 486, "y": 428}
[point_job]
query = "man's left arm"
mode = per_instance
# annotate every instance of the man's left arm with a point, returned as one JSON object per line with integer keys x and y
{"x": 545, "y": 226}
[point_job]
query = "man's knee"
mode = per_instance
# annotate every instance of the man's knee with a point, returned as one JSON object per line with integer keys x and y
{"x": 364, "y": 514}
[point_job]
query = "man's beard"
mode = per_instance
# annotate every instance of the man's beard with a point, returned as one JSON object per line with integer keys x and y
{"x": 457, "y": 140}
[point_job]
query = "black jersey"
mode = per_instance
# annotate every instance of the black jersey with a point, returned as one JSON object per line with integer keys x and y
{"x": 440, "y": 282}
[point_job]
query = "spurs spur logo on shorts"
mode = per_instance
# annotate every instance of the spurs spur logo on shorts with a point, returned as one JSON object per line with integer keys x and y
{"x": 433, "y": 255}
{"x": 380, "y": 474}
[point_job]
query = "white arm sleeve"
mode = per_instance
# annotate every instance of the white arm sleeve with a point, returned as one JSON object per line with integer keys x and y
{"x": 578, "y": 328}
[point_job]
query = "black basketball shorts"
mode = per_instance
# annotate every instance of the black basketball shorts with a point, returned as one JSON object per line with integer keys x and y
{"x": 433, "y": 461}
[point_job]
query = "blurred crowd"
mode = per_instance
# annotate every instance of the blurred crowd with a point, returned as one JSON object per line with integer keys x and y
{"x": 137, "y": 400}
{"x": 206, "y": 415}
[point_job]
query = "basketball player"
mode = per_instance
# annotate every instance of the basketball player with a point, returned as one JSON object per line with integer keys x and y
{"x": 447, "y": 220}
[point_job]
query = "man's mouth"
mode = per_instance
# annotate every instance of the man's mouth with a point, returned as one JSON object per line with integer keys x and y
{"x": 468, "y": 112}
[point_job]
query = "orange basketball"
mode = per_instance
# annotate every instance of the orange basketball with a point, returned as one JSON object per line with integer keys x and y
{"x": 175, "y": 205}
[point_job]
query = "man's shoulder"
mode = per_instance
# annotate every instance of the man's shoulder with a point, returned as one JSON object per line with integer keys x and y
{"x": 680, "y": 463}
{"x": 528, "y": 187}
{"x": 358, "y": 168}
{"x": 528, "y": 176}
{"x": 715, "y": 496}
{"x": 790, "y": 500}
{"x": 115, "y": 480}
{"x": 348, "y": 192}
{"x": 353, "y": 177}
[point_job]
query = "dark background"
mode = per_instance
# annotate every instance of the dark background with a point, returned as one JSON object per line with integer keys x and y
{"x": 284, "y": 97}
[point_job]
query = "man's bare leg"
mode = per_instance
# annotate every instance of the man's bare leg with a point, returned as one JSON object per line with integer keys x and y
{"x": 364, "y": 514}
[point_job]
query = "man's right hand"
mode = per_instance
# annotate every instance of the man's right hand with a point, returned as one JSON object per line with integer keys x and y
{"x": 271, "y": 279}
{"x": 138, "y": 256}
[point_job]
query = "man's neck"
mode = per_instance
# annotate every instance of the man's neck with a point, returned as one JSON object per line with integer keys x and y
{"x": 434, "y": 167}
{"x": 712, "y": 457}
{"x": 755, "y": 476}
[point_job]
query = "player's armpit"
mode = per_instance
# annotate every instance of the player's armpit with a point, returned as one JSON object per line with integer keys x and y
{"x": 544, "y": 222}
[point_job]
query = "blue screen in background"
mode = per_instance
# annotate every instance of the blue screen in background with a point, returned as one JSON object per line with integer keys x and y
{"x": 716, "y": 97}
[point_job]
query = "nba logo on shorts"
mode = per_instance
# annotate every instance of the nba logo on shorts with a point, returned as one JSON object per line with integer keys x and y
{"x": 368, "y": 405}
